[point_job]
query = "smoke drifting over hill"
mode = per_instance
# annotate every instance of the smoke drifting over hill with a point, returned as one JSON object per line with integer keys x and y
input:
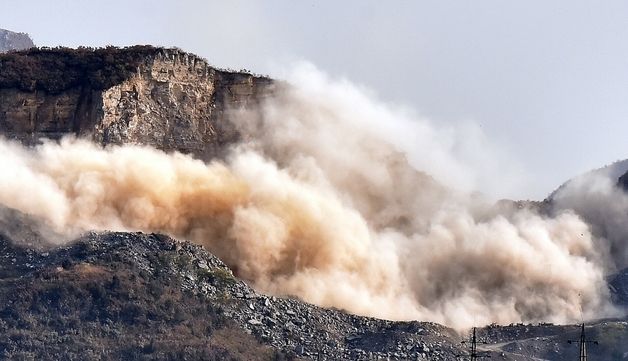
{"x": 328, "y": 198}
{"x": 596, "y": 198}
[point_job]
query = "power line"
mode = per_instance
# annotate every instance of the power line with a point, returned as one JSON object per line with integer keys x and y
{"x": 582, "y": 342}
{"x": 474, "y": 354}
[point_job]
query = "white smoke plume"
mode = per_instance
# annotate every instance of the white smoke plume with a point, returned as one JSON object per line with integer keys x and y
{"x": 327, "y": 198}
{"x": 596, "y": 198}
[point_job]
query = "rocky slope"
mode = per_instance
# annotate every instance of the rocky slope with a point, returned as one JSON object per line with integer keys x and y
{"x": 164, "y": 98}
{"x": 147, "y": 296}
{"x": 14, "y": 41}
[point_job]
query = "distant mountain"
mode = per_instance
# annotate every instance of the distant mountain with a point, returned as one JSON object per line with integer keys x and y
{"x": 10, "y": 40}
{"x": 613, "y": 171}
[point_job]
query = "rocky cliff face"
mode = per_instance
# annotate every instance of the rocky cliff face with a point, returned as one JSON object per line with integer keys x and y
{"x": 14, "y": 41}
{"x": 164, "y": 98}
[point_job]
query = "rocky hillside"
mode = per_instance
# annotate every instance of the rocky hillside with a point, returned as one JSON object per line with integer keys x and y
{"x": 14, "y": 41}
{"x": 164, "y": 98}
{"x": 146, "y": 296}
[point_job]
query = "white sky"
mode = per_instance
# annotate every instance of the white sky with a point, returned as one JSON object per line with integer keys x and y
{"x": 546, "y": 80}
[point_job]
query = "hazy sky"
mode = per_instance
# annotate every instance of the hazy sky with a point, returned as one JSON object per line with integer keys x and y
{"x": 546, "y": 80}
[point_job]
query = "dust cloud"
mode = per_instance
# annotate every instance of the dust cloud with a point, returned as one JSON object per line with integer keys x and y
{"x": 337, "y": 199}
{"x": 597, "y": 199}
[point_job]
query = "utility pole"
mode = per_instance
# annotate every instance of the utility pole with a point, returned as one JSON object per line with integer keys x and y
{"x": 582, "y": 342}
{"x": 474, "y": 354}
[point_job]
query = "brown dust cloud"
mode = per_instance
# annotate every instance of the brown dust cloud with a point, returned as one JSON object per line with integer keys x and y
{"x": 341, "y": 200}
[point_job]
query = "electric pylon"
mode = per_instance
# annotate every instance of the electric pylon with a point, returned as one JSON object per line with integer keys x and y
{"x": 474, "y": 354}
{"x": 582, "y": 342}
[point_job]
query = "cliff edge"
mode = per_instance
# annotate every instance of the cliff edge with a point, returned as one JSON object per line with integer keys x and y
{"x": 165, "y": 98}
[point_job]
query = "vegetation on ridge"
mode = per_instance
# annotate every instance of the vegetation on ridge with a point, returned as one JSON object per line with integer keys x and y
{"x": 57, "y": 69}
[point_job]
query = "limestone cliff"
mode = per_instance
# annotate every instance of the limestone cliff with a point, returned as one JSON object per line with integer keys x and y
{"x": 14, "y": 41}
{"x": 165, "y": 98}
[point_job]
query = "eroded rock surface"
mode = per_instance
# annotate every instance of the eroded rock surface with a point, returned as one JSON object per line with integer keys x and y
{"x": 164, "y": 98}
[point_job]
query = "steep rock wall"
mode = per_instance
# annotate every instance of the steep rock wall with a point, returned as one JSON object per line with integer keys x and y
{"x": 167, "y": 99}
